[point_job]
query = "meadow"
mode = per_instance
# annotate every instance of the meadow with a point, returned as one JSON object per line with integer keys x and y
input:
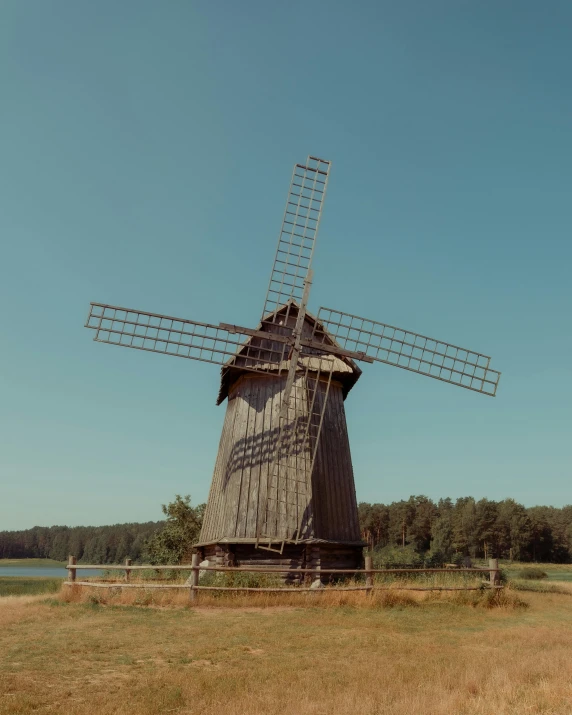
{"x": 395, "y": 652}
{"x": 28, "y": 586}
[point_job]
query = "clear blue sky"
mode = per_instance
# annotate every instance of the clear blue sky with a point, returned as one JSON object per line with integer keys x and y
{"x": 145, "y": 155}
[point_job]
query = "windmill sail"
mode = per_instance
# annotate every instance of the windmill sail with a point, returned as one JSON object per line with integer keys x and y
{"x": 297, "y": 235}
{"x": 411, "y": 351}
{"x": 290, "y": 282}
{"x": 179, "y": 337}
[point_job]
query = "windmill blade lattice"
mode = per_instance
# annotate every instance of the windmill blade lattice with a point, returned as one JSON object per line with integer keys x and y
{"x": 290, "y": 280}
{"x": 179, "y": 337}
{"x": 411, "y": 351}
{"x": 298, "y": 234}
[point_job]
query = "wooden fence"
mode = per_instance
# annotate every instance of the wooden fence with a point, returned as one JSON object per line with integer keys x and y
{"x": 195, "y": 569}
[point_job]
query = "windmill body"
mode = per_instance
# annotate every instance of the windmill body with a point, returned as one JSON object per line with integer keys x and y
{"x": 319, "y": 518}
{"x": 283, "y": 486}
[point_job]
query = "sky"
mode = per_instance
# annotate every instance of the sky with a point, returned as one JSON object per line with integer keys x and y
{"x": 145, "y": 154}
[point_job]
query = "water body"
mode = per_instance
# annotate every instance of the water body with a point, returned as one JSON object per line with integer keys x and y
{"x": 46, "y": 571}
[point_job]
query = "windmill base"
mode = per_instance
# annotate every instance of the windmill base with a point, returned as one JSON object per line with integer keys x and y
{"x": 311, "y": 554}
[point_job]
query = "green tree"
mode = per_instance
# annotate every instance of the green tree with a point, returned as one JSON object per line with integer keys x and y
{"x": 374, "y": 522}
{"x": 365, "y": 522}
{"x": 419, "y": 530}
{"x": 173, "y": 543}
{"x": 516, "y": 530}
{"x": 60, "y": 545}
{"x": 486, "y": 519}
{"x": 401, "y": 516}
{"x": 442, "y": 532}
{"x": 464, "y": 526}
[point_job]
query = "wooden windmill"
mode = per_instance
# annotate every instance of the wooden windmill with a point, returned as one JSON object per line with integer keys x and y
{"x": 283, "y": 486}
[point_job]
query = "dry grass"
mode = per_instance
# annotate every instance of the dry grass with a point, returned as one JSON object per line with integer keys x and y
{"x": 404, "y": 653}
{"x": 395, "y": 594}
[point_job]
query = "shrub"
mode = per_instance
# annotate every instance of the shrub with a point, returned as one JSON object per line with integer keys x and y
{"x": 397, "y": 557}
{"x": 173, "y": 544}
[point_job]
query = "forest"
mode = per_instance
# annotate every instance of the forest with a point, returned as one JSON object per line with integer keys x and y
{"x": 412, "y": 531}
{"x": 90, "y": 544}
{"x": 422, "y": 529}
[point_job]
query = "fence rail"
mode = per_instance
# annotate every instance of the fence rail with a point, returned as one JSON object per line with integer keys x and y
{"x": 195, "y": 568}
{"x": 257, "y": 569}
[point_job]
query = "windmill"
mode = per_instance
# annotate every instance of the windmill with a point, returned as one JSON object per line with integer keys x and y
{"x": 283, "y": 486}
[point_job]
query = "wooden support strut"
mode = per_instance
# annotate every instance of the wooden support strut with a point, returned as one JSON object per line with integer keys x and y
{"x": 305, "y": 342}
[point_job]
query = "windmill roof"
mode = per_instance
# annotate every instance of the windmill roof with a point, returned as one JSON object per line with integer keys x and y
{"x": 343, "y": 369}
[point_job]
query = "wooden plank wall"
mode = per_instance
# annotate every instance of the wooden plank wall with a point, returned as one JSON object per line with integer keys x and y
{"x": 334, "y": 504}
{"x": 239, "y": 488}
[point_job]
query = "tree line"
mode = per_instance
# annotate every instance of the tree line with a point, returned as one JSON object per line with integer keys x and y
{"x": 448, "y": 530}
{"x": 89, "y": 544}
{"x": 416, "y": 529}
{"x": 157, "y": 542}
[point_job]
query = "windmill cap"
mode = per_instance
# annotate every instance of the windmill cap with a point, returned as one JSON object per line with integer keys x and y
{"x": 344, "y": 370}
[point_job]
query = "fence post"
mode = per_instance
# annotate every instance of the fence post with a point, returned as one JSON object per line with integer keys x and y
{"x": 368, "y": 574}
{"x": 127, "y": 571}
{"x": 71, "y": 572}
{"x": 194, "y": 580}
{"x": 494, "y": 575}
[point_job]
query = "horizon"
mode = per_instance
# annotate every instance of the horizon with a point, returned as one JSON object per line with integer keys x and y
{"x": 147, "y": 154}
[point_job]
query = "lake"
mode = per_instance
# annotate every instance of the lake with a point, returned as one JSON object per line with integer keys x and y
{"x": 47, "y": 571}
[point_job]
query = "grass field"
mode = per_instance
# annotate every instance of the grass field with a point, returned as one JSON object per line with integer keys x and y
{"x": 557, "y": 572}
{"x": 23, "y": 586}
{"x": 402, "y": 654}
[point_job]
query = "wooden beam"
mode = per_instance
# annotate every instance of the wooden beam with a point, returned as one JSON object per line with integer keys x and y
{"x": 275, "y": 337}
{"x": 194, "y": 580}
{"x": 282, "y": 569}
